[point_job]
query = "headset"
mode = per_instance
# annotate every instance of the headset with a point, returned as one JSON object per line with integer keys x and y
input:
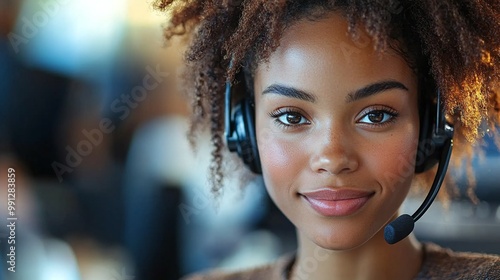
{"x": 434, "y": 147}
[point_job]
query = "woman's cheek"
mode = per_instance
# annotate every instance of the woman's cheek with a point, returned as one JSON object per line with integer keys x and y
{"x": 282, "y": 161}
{"x": 394, "y": 162}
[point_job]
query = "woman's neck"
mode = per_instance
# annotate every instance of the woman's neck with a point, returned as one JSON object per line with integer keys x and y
{"x": 373, "y": 260}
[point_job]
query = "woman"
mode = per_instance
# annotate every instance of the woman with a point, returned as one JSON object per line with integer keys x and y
{"x": 339, "y": 91}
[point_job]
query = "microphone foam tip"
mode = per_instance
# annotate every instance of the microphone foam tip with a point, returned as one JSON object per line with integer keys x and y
{"x": 399, "y": 229}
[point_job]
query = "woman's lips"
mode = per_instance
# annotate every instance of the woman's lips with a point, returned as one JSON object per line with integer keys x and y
{"x": 336, "y": 202}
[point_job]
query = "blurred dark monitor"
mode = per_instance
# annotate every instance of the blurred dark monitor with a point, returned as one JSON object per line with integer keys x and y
{"x": 32, "y": 117}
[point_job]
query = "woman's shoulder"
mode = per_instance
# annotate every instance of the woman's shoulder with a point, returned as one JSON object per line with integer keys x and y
{"x": 441, "y": 263}
{"x": 273, "y": 271}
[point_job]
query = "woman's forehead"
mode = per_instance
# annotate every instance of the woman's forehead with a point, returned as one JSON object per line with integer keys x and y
{"x": 322, "y": 51}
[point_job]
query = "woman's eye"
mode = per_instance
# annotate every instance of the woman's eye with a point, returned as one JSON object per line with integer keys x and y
{"x": 292, "y": 119}
{"x": 377, "y": 117}
{"x": 287, "y": 117}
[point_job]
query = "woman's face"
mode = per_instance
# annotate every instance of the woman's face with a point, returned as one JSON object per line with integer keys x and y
{"x": 337, "y": 129}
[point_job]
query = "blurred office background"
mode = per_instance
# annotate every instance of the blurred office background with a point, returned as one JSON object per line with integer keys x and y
{"x": 107, "y": 187}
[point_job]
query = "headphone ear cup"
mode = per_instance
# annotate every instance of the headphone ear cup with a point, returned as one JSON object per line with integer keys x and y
{"x": 244, "y": 123}
{"x": 430, "y": 144}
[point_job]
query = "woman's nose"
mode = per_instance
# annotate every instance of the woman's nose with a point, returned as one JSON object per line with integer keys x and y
{"x": 335, "y": 154}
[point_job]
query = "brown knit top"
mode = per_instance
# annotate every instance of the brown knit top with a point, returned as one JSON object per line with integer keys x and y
{"x": 439, "y": 263}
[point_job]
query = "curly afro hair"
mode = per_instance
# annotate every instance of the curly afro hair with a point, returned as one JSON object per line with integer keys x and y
{"x": 454, "y": 42}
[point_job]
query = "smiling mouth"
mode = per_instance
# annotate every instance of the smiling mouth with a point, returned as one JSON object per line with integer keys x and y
{"x": 337, "y": 202}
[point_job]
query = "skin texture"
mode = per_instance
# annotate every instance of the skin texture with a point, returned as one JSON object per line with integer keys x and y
{"x": 334, "y": 143}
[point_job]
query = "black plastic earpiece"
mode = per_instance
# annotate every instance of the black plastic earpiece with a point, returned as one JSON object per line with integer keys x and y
{"x": 240, "y": 131}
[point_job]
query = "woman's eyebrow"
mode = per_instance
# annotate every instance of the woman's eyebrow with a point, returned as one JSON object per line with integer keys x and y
{"x": 290, "y": 92}
{"x": 372, "y": 89}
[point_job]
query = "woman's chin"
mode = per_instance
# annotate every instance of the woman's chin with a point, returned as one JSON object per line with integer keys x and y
{"x": 338, "y": 241}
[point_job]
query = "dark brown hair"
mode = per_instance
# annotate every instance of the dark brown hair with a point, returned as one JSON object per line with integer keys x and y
{"x": 456, "y": 43}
